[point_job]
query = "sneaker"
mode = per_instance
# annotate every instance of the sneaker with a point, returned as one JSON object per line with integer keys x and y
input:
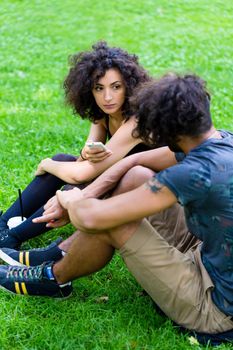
{"x": 3, "y": 223}
{"x": 7, "y": 239}
{"x": 32, "y": 281}
{"x": 32, "y": 257}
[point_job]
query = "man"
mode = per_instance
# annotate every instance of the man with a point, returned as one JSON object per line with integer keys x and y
{"x": 194, "y": 288}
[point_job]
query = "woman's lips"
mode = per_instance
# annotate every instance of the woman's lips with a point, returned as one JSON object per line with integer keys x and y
{"x": 110, "y": 106}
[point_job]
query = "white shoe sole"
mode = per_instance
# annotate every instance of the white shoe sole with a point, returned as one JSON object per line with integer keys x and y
{"x": 30, "y": 295}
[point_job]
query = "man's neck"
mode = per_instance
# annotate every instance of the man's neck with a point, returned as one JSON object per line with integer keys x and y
{"x": 187, "y": 143}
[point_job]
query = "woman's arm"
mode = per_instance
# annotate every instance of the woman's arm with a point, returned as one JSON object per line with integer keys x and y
{"x": 97, "y": 132}
{"x": 156, "y": 159}
{"x": 78, "y": 172}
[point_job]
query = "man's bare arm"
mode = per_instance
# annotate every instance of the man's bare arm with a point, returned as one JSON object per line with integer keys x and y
{"x": 156, "y": 159}
{"x": 93, "y": 215}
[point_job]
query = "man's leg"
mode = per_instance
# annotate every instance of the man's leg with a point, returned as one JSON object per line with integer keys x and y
{"x": 99, "y": 246}
{"x": 177, "y": 282}
{"x": 88, "y": 253}
{"x": 134, "y": 178}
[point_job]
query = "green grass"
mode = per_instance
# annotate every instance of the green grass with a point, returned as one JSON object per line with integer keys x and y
{"x": 36, "y": 39}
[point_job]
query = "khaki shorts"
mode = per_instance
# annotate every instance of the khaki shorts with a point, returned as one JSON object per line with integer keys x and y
{"x": 171, "y": 225}
{"x": 177, "y": 282}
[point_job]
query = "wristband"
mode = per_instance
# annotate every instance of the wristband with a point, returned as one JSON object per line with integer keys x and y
{"x": 82, "y": 155}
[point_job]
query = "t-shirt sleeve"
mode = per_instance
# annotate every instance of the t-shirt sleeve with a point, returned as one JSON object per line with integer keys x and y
{"x": 180, "y": 156}
{"x": 188, "y": 183}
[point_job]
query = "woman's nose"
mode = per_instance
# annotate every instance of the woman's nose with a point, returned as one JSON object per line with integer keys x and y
{"x": 107, "y": 96}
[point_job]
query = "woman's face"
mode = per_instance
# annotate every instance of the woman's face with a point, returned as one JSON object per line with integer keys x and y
{"x": 109, "y": 92}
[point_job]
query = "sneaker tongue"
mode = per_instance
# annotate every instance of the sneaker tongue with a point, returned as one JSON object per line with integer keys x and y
{"x": 48, "y": 272}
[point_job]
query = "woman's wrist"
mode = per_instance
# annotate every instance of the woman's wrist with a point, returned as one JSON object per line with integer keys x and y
{"x": 82, "y": 155}
{"x": 46, "y": 164}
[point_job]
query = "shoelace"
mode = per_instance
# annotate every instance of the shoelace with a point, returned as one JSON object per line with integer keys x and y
{"x": 18, "y": 273}
{"x": 4, "y": 235}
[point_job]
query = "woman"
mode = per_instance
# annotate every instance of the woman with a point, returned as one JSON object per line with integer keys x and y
{"x": 98, "y": 88}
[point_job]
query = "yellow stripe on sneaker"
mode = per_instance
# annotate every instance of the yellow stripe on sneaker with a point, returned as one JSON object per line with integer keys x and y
{"x": 27, "y": 259}
{"x": 24, "y": 289}
{"x": 21, "y": 257}
{"x": 17, "y": 289}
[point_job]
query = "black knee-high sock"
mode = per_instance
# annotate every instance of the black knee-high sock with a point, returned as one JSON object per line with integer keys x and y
{"x": 28, "y": 229}
{"x": 38, "y": 192}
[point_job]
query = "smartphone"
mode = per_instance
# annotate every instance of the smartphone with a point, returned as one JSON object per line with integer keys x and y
{"x": 96, "y": 144}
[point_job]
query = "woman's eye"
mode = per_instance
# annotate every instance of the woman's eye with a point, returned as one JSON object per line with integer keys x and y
{"x": 116, "y": 87}
{"x": 98, "y": 88}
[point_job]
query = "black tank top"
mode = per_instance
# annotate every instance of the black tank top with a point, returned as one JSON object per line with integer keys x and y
{"x": 140, "y": 147}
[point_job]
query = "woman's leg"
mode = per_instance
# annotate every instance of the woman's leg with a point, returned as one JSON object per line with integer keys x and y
{"x": 36, "y": 194}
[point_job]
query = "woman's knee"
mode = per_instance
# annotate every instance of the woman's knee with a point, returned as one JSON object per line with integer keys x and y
{"x": 62, "y": 157}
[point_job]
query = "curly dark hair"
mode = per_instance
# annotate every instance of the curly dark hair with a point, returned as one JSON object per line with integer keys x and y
{"x": 89, "y": 66}
{"x": 170, "y": 107}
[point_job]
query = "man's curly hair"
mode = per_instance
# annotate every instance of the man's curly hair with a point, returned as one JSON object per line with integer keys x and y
{"x": 89, "y": 66}
{"x": 170, "y": 107}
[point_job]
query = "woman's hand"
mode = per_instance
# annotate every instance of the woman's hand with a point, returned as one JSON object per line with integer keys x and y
{"x": 95, "y": 154}
{"x": 54, "y": 214}
{"x": 41, "y": 169}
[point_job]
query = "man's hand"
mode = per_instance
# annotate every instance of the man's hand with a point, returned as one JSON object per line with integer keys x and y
{"x": 67, "y": 198}
{"x": 55, "y": 215}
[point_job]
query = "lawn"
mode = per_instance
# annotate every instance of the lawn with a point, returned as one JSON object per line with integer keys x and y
{"x": 36, "y": 38}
